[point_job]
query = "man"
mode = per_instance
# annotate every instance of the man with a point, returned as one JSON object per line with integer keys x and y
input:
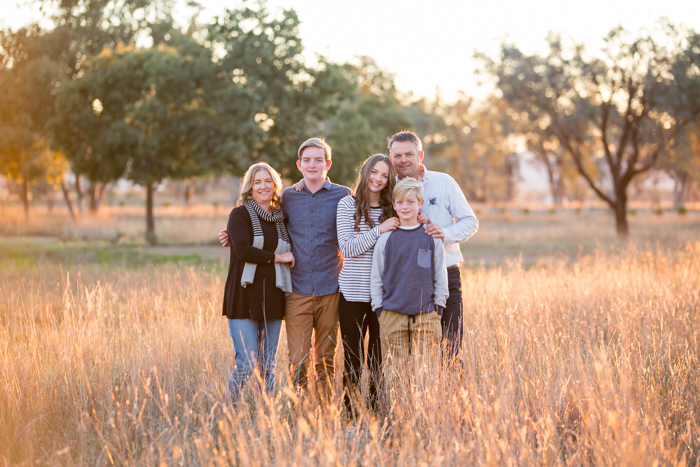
{"x": 311, "y": 225}
{"x": 449, "y": 217}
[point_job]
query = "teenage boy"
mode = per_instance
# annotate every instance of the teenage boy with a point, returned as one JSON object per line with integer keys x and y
{"x": 450, "y": 218}
{"x": 311, "y": 225}
{"x": 409, "y": 279}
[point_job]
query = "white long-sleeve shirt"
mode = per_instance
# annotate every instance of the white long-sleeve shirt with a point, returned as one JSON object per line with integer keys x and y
{"x": 446, "y": 206}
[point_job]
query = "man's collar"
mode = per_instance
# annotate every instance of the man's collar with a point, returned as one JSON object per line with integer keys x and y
{"x": 326, "y": 185}
{"x": 423, "y": 177}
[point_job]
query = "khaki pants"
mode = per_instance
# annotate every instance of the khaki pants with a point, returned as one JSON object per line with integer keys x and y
{"x": 303, "y": 315}
{"x": 405, "y": 339}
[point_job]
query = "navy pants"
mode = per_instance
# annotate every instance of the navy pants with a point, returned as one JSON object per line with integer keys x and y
{"x": 452, "y": 320}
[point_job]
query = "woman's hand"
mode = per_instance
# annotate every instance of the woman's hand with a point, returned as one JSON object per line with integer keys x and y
{"x": 223, "y": 238}
{"x": 287, "y": 257}
{"x": 298, "y": 186}
{"x": 390, "y": 224}
{"x": 422, "y": 219}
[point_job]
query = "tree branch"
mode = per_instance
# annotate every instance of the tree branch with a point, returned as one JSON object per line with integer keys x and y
{"x": 576, "y": 155}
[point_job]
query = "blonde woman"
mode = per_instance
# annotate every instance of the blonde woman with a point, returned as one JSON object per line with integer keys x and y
{"x": 259, "y": 276}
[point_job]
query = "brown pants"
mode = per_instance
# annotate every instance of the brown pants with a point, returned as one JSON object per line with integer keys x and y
{"x": 406, "y": 340}
{"x": 407, "y": 334}
{"x": 303, "y": 315}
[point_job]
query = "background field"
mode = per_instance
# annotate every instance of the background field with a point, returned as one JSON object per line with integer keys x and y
{"x": 579, "y": 349}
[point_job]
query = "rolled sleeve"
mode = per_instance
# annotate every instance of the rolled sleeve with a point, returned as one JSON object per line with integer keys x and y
{"x": 465, "y": 222}
{"x": 441, "y": 288}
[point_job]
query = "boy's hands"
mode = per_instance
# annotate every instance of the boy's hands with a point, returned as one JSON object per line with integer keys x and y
{"x": 390, "y": 224}
{"x": 223, "y": 238}
{"x": 431, "y": 228}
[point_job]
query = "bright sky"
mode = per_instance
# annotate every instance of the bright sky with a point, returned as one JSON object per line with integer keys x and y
{"x": 431, "y": 43}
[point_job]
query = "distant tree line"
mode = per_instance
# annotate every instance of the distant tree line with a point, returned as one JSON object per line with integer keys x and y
{"x": 115, "y": 89}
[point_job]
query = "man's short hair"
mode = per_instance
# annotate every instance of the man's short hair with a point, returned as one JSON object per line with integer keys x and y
{"x": 404, "y": 188}
{"x": 315, "y": 143}
{"x": 405, "y": 136}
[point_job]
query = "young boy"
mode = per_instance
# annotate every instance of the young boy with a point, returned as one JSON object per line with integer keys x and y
{"x": 409, "y": 279}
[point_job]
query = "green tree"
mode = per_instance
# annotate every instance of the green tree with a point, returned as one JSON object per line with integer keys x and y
{"x": 369, "y": 112}
{"x": 272, "y": 104}
{"x": 623, "y": 106}
{"x": 683, "y": 162}
{"x": 27, "y": 76}
{"x": 168, "y": 125}
{"x": 81, "y": 30}
{"x": 479, "y": 149}
{"x": 147, "y": 114}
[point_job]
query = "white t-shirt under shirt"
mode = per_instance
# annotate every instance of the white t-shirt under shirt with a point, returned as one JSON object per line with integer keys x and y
{"x": 357, "y": 248}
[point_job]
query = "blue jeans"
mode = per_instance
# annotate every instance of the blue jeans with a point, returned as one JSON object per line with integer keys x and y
{"x": 255, "y": 344}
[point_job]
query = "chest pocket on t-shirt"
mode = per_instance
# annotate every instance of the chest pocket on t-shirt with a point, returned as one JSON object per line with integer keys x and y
{"x": 424, "y": 258}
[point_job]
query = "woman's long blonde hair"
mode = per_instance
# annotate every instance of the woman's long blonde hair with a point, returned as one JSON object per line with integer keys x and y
{"x": 247, "y": 185}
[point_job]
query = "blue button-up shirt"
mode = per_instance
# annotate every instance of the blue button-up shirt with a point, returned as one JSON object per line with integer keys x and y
{"x": 312, "y": 229}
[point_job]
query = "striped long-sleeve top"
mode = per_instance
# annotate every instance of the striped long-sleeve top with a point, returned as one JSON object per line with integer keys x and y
{"x": 357, "y": 248}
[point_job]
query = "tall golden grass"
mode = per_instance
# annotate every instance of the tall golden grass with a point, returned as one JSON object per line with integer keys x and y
{"x": 590, "y": 363}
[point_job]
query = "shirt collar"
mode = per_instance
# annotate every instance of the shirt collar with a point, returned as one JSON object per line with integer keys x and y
{"x": 425, "y": 174}
{"x": 423, "y": 179}
{"x": 327, "y": 185}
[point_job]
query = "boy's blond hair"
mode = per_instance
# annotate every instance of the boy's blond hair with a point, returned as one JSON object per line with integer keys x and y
{"x": 405, "y": 187}
{"x": 315, "y": 143}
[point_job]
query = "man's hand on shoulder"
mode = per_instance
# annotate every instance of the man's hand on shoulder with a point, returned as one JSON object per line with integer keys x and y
{"x": 434, "y": 230}
{"x": 298, "y": 186}
{"x": 223, "y": 238}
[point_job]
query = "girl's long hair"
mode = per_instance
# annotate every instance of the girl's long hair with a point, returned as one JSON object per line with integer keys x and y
{"x": 247, "y": 185}
{"x": 362, "y": 208}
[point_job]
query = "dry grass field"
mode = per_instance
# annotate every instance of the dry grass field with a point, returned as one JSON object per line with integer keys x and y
{"x": 578, "y": 350}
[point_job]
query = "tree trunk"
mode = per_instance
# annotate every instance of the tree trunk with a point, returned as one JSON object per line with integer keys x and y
{"x": 556, "y": 185}
{"x": 50, "y": 201}
{"x": 101, "y": 196}
{"x": 92, "y": 197}
{"x": 189, "y": 192}
{"x": 559, "y": 191}
{"x": 25, "y": 199}
{"x": 69, "y": 203}
{"x": 620, "y": 208}
{"x": 510, "y": 168}
{"x": 150, "y": 224}
{"x": 680, "y": 189}
{"x": 79, "y": 192}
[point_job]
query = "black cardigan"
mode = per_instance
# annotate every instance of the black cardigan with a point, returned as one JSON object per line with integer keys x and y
{"x": 261, "y": 299}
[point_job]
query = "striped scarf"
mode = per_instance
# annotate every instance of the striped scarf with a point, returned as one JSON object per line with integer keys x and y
{"x": 283, "y": 276}
{"x": 256, "y": 213}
